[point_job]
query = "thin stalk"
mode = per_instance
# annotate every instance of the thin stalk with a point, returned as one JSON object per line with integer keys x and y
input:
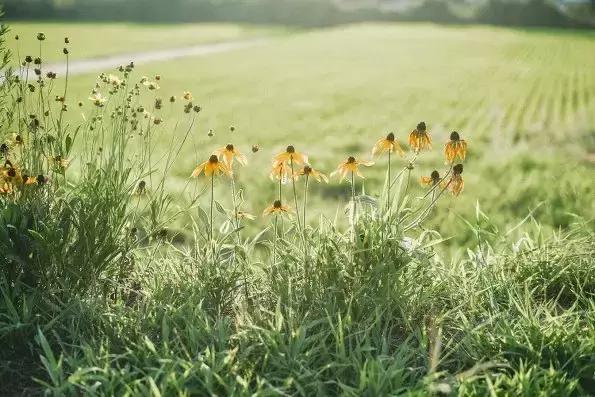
{"x": 297, "y": 211}
{"x": 354, "y": 205}
{"x": 306, "y": 267}
{"x": 430, "y": 206}
{"x": 235, "y": 208}
{"x": 388, "y": 196}
{"x": 305, "y": 198}
{"x": 212, "y": 201}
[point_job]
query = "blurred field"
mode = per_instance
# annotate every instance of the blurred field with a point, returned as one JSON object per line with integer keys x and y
{"x": 101, "y": 39}
{"x": 524, "y": 100}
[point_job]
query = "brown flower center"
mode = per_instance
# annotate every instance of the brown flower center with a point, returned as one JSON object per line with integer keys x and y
{"x": 290, "y": 149}
{"x": 454, "y": 136}
{"x": 213, "y": 159}
{"x": 307, "y": 170}
{"x": 351, "y": 160}
{"x": 12, "y": 172}
{"x": 457, "y": 169}
{"x": 229, "y": 147}
{"x": 390, "y": 137}
{"x": 277, "y": 204}
{"x": 435, "y": 175}
{"x": 421, "y": 127}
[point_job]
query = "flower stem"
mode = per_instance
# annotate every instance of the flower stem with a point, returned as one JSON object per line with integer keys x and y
{"x": 212, "y": 201}
{"x": 235, "y": 208}
{"x": 353, "y": 203}
{"x": 297, "y": 210}
{"x": 388, "y": 196}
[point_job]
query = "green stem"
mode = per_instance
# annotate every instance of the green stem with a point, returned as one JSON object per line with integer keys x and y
{"x": 235, "y": 208}
{"x": 212, "y": 201}
{"x": 388, "y": 196}
{"x": 295, "y": 200}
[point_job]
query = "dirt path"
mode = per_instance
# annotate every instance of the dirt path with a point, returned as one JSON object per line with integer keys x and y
{"x": 105, "y": 64}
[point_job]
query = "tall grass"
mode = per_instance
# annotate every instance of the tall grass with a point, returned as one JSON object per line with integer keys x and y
{"x": 98, "y": 297}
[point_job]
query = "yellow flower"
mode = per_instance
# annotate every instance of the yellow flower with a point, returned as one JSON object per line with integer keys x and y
{"x": 60, "y": 162}
{"x": 419, "y": 138}
{"x": 277, "y": 208}
{"x": 31, "y": 180}
{"x": 5, "y": 187}
{"x": 455, "y": 147}
{"x": 228, "y": 153}
{"x": 290, "y": 155}
{"x": 245, "y": 215}
{"x": 280, "y": 171}
{"x": 432, "y": 180}
{"x": 388, "y": 144}
{"x": 311, "y": 172}
{"x": 97, "y": 99}
{"x": 456, "y": 183}
{"x": 10, "y": 174}
{"x": 212, "y": 167}
{"x": 350, "y": 165}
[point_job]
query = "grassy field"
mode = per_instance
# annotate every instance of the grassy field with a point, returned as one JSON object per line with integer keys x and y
{"x": 526, "y": 102}
{"x": 101, "y": 296}
{"x": 101, "y": 39}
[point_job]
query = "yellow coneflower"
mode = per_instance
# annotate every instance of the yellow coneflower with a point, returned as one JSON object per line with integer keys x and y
{"x": 97, "y": 99}
{"x": 187, "y": 95}
{"x": 291, "y": 155}
{"x": 388, "y": 144}
{"x": 31, "y": 180}
{"x": 277, "y": 208}
{"x": 280, "y": 171}
{"x": 228, "y": 153}
{"x": 311, "y": 172}
{"x": 431, "y": 180}
{"x": 10, "y": 174}
{"x": 455, "y": 147}
{"x": 419, "y": 138}
{"x": 212, "y": 167}
{"x": 245, "y": 215}
{"x": 350, "y": 165}
{"x": 6, "y": 187}
{"x": 456, "y": 183}
{"x": 60, "y": 162}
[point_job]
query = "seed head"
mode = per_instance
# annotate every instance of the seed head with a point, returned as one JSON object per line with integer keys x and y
{"x": 41, "y": 36}
{"x": 457, "y": 169}
{"x": 66, "y": 40}
{"x": 421, "y": 127}
{"x": 350, "y": 160}
{"x": 229, "y": 147}
{"x": 255, "y": 148}
{"x": 213, "y": 159}
{"x": 37, "y": 61}
{"x": 28, "y": 59}
{"x": 65, "y": 51}
{"x": 290, "y": 149}
{"x": 390, "y": 137}
{"x": 454, "y": 136}
{"x": 277, "y": 204}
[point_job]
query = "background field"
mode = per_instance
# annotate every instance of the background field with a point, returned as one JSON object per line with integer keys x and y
{"x": 524, "y": 99}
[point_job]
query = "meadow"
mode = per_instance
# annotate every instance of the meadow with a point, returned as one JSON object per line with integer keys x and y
{"x": 113, "y": 287}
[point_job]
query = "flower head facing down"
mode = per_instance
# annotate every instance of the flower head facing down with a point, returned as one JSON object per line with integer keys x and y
{"x": 388, "y": 144}
{"x": 291, "y": 155}
{"x": 311, "y": 172}
{"x": 212, "y": 167}
{"x": 350, "y": 165}
{"x": 280, "y": 171}
{"x": 228, "y": 153}
{"x": 456, "y": 183}
{"x": 277, "y": 208}
{"x": 419, "y": 139}
{"x": 245, "y": 215}
{"x": 431, "y": 180}
{"x": 455, "y": 147}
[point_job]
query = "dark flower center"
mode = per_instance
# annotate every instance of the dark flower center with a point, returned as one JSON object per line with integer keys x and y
{"x": 421, "y": 127}
{"x": 213, "y": 159}
{"x": 229, "y": 147}
{"x": 277, "y": 204}
{"x": 290, "y": 149}
{"x": 41, "y": 179}
{"x": 454, "y": 136}
{"x": 307, "y": 169}
{"x": 12, "y": 172}
{"x": 435, "y": 175}
{"x": 458, "y": 169}
{"x": 390, "y": 137}
{"x": 351, "y": 160}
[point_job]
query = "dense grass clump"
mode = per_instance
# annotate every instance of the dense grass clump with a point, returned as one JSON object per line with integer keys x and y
{"x": 99, "y": 296}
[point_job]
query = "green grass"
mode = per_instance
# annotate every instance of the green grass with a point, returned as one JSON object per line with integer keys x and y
{"x": 525, "y": 102}
{"x": 100, "y": 295}
{"x": 91, "y": 39}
